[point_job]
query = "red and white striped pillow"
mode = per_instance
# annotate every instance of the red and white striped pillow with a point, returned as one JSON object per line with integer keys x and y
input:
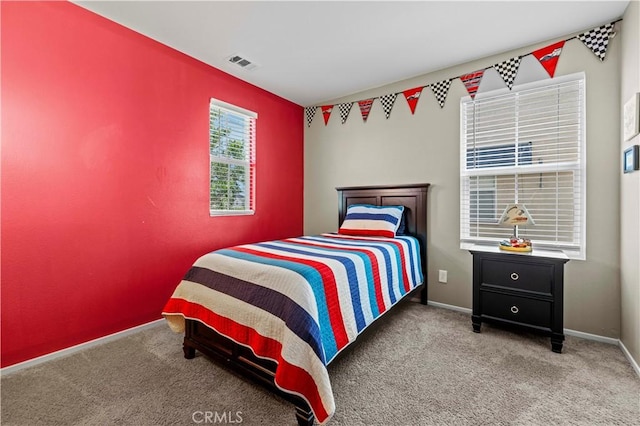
{"x": 372, "y": 221}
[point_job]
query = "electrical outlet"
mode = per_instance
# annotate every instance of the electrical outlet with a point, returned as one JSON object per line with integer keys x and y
{"x": 442, "y": 276}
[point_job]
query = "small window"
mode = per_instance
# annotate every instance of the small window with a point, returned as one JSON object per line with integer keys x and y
{"x": 232, "y": 136}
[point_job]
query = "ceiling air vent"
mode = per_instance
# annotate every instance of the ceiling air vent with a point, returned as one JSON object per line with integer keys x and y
{"x": 242, "y": 62}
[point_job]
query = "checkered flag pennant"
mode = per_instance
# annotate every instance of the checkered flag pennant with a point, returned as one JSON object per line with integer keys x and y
{"x": 365, "y": 108}
{"x": 310, "y": 112}
{"x": 508, "y": 70}
{"x": 387, "y": 103}
{"x": 597, "y": 39}
{"x": 441, "y": 90}
{"x": 344, "y": 110}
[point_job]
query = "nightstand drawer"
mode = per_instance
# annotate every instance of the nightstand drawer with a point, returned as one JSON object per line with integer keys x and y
{"x": 519, "y": 276}
{"x": 518, "y": 309}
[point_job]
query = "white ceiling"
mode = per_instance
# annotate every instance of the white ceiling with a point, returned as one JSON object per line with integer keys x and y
{"x": 314, "y": 51}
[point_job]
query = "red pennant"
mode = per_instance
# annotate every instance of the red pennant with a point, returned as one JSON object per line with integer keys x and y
{"x": 412, "y": 96}
{"x": 365, "y": 108}
{"x": 472, "y": 82}
{"x": 548, "y": 56}
{"x": 326, "y": 112}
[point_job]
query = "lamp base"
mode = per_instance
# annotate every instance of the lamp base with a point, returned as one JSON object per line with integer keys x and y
{"x": 516, "y": 244}
{"x": 516, "y": 249}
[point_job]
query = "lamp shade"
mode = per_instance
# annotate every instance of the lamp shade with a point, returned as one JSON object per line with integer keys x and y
{"x": 516, "y": 214}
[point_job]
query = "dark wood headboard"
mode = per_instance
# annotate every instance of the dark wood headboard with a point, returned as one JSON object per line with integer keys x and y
{"x": 413, "y": 197}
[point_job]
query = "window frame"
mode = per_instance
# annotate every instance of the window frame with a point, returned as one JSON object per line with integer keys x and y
{"x": 249, "y": 161}
{"x": 576, "y": 248}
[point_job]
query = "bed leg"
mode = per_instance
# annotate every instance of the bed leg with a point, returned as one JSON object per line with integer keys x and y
{"x": 189, "y": 352}
{"x": 304, "y": 416}
{"x": 424, "y": 295}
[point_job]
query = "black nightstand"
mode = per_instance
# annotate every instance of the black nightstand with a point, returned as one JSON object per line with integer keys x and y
{"x": 519, "y": 289}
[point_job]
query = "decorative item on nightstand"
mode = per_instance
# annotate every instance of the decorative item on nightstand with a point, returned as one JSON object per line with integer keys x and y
{"x": 516, "y": 214}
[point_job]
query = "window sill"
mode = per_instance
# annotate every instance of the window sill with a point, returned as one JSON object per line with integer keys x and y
{"x": 556, "y": 254}
{"x": 217, "y": 213}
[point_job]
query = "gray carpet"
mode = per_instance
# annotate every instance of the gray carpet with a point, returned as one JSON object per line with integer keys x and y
{"x": 418, "y": 366}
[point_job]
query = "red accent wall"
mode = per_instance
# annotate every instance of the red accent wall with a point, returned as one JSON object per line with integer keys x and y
{"x": 105, "y": 174}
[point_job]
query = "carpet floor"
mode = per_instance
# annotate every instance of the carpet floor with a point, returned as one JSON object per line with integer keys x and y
{"x": 416, "y": 366}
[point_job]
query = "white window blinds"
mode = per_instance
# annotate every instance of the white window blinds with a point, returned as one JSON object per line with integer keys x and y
{"x": 526, "y": 146}
{"x": 232, "y": 136}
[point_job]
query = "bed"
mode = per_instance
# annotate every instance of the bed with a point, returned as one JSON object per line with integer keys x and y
{"x": 278, "y": 312}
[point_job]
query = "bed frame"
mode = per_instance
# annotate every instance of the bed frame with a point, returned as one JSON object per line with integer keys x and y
{"x": 242, "y": 360}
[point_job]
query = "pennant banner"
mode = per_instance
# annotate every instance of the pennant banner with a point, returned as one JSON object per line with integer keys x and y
{"x": 441, "y": 89}
{"x": 597, "y": 39}
{"x": 387, "y": 103}
{"x": 472, "y": 82}
{"x": 326, "y": 112}
{"x": 365, "y": 108}
{"x": 548, "y": 57}
{"x": 508, "y": 70}
{"x": 310, "y": 112}
{"x": 344, "y": 111}
{"x": 412, "y": 96}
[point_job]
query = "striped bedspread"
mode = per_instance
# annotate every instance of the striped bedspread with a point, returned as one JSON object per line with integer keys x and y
{"x": 298, "y": 301}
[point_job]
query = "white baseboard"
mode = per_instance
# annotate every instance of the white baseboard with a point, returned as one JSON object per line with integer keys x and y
{"x": 77, "y": 348}
{"x": 451, "y": 307}
{"x": 633, "y": 362}
{"x": 589, "y": 336}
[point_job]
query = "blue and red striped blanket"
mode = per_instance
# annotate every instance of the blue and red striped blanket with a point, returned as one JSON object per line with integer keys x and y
{"x": 298, "y": 301}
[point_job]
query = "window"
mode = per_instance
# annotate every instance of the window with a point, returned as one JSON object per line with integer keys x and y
{"x": 525, "y": 146}
{"x": 232, "y": 135}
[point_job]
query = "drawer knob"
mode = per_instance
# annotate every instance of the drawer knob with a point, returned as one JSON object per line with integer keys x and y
{"x": 514, "y": 276}
{"x": 514, "y": 309}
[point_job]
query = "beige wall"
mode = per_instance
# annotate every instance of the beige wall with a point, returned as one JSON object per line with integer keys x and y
{"x": 630, "y": 190}
{"x": 425, "y": 148}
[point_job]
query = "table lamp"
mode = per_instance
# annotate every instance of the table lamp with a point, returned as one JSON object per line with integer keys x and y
{"x": 516, "y": 214}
